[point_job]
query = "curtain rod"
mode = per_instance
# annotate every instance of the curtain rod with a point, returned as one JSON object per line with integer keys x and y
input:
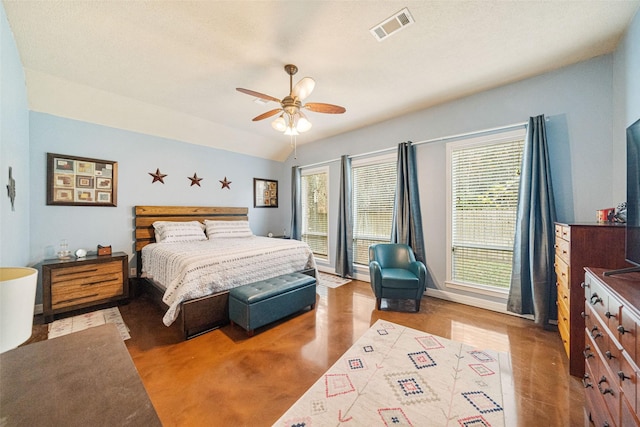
{"x": 444, "y": 138}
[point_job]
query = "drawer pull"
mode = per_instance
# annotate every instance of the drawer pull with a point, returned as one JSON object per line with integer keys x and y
{"x": 606, "y": 390}
{"x": 584, "y": 315}
{"x": 608, "y": 355}
{"x": 586, "y": 353}
{"x": 608, "y": 315}
{"x": 584, "y": 381}
{"x": 595, "y": 299}
{"x": 76, "y": 299}
{"x": 595, "y": 333}
{"x": 623, "y": 376}
{"x": 90, "y": 270}
{"x": 622, "y": 330}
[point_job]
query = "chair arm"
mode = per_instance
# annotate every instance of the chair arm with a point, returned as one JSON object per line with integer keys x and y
{"x": 375, "y": 274}
{"x": 418, "y": 268}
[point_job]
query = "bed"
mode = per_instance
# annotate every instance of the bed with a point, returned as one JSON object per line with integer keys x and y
{"x": 190, "y": 281}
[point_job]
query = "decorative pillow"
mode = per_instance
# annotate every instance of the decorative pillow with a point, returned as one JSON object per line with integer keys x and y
{"x": 172, "y": 232}
{"x": 224, "y": 229}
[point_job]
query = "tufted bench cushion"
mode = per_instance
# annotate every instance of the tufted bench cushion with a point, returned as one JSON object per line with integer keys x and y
{"x": 257, "y": 304}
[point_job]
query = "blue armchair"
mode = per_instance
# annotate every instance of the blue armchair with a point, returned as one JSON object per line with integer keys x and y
{"x": 395, "y": 273}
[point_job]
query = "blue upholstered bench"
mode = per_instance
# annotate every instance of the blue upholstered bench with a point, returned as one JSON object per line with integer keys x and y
{"x": 258, "y": 304}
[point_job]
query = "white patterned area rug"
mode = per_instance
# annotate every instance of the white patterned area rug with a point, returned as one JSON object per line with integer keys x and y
{"x": 399, "y": 376}
{"x": 89, "y": 320}
{"x": 331, "y": 280}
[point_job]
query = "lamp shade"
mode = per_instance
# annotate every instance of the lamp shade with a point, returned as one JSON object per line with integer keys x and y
{"x": 279, "y": 124}
{"x": 17, "y": 300}
{"x": 303, "y": 124}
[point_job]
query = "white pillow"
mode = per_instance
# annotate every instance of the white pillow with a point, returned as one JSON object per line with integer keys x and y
{"x": 224, "y": 229}
{"x": 172, "y": 232}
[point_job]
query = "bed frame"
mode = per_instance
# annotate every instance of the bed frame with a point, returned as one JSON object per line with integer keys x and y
{"x": 199, "y": 315}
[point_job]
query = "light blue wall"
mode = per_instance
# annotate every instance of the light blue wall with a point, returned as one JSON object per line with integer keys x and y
{"x": 577, "y": 99}
{"x": 14, "y": 151}
{"x": 626, "y": 90}
{"x": 137, "y": 155}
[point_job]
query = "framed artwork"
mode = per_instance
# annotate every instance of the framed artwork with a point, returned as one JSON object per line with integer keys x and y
{"x": 265, "y": 193}
{"x": 80, "y": 181}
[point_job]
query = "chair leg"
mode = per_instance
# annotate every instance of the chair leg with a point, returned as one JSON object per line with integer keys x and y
{"x": 378, "y": 300}
{"x": 418, "y": 305}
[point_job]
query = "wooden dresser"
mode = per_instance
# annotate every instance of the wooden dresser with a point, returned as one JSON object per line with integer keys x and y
{"x": 73, "y": 284}
{"x": 579, "y": 246}
{"x": 612, "y": 350}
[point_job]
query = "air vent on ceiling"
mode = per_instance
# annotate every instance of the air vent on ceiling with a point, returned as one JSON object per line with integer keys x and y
{"x": 392, "y": 25}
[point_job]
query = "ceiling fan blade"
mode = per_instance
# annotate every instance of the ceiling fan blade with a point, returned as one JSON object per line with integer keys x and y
{"x": 320, "y": 107}
{"x": 258, "y": 94}
{"x": 303, "y": 88}
{"x": 267, "y": 114}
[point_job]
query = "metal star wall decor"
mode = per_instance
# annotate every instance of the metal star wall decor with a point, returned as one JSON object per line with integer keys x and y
{"x": 157, "y": 176}
{"x": 195, "y": 180}
{"x": 225, "y": 183}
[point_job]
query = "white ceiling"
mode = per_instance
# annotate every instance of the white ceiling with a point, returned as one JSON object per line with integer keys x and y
{"x": 170, "y": 68}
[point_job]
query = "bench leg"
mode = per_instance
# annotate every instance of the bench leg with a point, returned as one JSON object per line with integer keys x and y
{"x": 250, "y": 333}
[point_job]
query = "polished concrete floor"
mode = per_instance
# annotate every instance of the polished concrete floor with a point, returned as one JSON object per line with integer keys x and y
{"x": 225, "y": 378}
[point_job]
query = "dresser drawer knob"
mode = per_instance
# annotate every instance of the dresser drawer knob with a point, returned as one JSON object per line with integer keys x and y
{"x": 623, "y": 376}
{"x": 586, "y": 353}
{"x": 605, "y": 390}
{"x": 622, "y": 330}
{"x": 585, "y": 383}
{"x": 595, "y": 299}
{"x": 584, "y": 315}
{"x": 595, "y": 333}
{"x": 608, "y": 355}
{"x": 608, "y": 315}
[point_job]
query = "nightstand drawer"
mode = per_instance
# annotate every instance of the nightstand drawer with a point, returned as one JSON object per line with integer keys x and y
{"x": 79, "y": 289}
{"x": 74, "y": 284}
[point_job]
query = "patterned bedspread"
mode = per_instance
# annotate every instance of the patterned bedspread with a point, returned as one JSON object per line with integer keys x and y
{"x": 196, "y": 269}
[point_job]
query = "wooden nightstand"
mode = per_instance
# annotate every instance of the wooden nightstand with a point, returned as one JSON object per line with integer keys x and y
{"x": 74, "y": 284}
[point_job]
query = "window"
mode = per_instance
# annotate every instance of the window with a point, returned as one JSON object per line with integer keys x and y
{"x": 374, "y": 187}
{"x": 483, "y": 179}
{"x": 315, "y": 209}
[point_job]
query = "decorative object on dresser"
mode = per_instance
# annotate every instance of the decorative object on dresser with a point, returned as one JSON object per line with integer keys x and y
{"x": 612, "y": 348}
{"x": 81, "y": 181}
{"x": 104, "y": 250}
{"x": 69, "y": 285}
{"x": 578, "y": 246}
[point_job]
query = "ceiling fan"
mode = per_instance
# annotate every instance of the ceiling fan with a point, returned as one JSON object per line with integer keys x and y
{"x": 292, "y": 120}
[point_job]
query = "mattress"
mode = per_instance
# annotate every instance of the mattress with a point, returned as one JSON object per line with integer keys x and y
{"x": 196, "y": 269}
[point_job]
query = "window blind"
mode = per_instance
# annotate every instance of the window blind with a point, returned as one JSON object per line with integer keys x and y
{"x": 374, "y": 186}
{"x": 315, "y": 212}
{"x": 485, "y": 182}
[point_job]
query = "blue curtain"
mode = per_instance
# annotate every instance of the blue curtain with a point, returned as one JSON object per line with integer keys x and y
{"x": 344, "y": 245}
{"x": 407, "y": 218}
{"x": 533, "y": 276}
{"x": 296, "y": 204}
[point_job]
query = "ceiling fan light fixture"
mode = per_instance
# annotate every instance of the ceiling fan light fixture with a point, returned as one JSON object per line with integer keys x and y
{"x": 303, "y": 124}
{"x": 291, "y": 131}
{"x": 279, "y": 124}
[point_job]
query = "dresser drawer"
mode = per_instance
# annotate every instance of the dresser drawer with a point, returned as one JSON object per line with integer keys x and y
{"x": 562, "y": 272}
{"x": 563, "y": 250}
{"x": 627, "y": 332}
{"x": 563, "y": 327}
{"x": 563, "y": 232}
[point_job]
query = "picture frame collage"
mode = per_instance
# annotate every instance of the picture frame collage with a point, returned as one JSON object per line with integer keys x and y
{"x": 81, "y": 181}
{"x": 265, "y": 193}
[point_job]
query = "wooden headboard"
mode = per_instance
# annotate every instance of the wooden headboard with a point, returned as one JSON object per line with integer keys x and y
{"x": 147, "y": 215}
